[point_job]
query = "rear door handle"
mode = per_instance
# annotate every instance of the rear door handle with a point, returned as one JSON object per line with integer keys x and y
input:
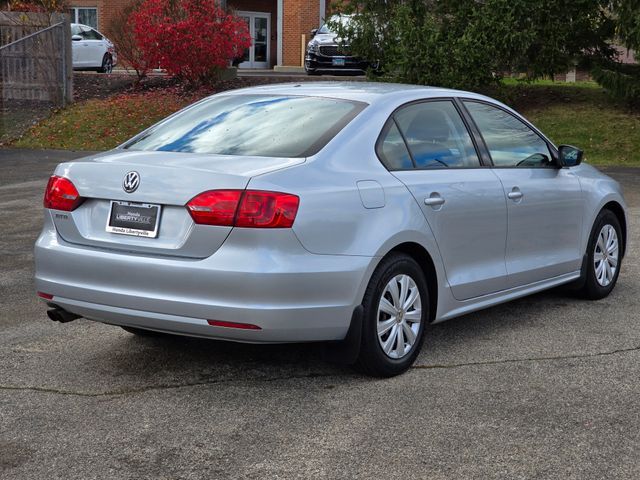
{"x": 515, "y": 194}
{"x": 434, "y": 200}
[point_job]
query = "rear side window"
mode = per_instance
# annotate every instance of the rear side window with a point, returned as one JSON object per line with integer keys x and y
{"x": 511, "y": 142}
{"x": 256, "y": 125}
{"x": 435, "y": 136}
{"x": 392, "y": 150}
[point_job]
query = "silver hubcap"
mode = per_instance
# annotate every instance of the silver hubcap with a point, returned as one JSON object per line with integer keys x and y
{"x": 399, "y": 316}
{"x": 605, "y": 257}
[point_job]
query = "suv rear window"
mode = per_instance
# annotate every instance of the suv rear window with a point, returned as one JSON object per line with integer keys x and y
{"x": 256, "y": 125}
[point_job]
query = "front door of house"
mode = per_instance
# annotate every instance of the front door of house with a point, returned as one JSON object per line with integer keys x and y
{"x": 259, "y": 23}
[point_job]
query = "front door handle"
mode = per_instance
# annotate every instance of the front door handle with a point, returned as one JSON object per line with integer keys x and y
{"x": 515, "y": 194}
{"x": 435, "y": 200}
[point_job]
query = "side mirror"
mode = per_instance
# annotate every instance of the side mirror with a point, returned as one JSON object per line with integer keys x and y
{"x": 76, "y": 38}
{"x": 569, "y": 156}
{"x": 313, "y": 32}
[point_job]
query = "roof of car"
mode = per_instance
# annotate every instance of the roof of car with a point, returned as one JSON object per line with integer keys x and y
{"x": 368, "y": 92}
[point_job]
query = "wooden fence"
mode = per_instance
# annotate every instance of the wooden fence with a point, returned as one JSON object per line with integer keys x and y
{"x": 35, "y": 58}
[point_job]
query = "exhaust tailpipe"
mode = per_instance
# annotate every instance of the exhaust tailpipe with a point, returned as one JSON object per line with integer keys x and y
{"x": 61, "y": 315}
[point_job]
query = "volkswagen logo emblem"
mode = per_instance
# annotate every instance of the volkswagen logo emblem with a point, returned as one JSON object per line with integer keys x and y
{"x": 131, "y": 182}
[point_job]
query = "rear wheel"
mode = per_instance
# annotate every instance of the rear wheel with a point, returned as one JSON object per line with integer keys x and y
{"x": 396, "y": 306}
{"x": 603, "y": 257}
{"x": 107, "y": 64}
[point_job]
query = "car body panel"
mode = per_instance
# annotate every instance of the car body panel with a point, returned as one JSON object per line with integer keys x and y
{"x": 303, "y": 283}
{"x": 89, "y": 53}
{"x": 470, "y": 226}
{"x": 545, "y": 224}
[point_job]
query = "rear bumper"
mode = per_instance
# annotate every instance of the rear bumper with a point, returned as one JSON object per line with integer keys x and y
{"x": 291, "y": 294}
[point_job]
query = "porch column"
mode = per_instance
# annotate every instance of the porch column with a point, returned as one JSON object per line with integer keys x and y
{"x": 279, "y": 28}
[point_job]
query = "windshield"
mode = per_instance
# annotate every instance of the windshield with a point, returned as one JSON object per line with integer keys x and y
{"x": 256, "y": 125}
{"x": 343, "y": 19}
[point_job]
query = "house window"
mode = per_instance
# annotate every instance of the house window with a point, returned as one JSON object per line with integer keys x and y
{"x": 85, "y": 15}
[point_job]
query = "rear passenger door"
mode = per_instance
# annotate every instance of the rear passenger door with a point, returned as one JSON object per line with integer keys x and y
{"x": 544, "y": 202}
{"x": 427, "y": 146}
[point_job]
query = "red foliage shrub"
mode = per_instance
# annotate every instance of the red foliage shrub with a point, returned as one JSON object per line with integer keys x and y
{"x": 191, "y": 39}
{"x": 121, "y": 31}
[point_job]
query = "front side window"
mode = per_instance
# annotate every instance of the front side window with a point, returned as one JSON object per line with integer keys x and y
{"x": 436, "y": 136}
{"x": 256, "y": 125}
{"x": 90, "y": 34}
{"x": 511, "y": 143}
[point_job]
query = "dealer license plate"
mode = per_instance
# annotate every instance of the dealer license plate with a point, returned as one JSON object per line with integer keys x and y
{"x": 137, "y": 219}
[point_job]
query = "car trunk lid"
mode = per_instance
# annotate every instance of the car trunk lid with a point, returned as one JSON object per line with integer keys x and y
{"x": 166, "y": 179}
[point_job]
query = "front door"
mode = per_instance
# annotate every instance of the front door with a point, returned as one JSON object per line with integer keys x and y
{"x": 544, "y": 202}
{"x": 257, "y": 55}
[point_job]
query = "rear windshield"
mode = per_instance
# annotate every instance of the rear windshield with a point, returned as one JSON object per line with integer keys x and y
{"x": 257, "y": 125}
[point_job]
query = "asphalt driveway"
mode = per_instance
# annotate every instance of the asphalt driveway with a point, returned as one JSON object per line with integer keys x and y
{"x": 544, "y": 387}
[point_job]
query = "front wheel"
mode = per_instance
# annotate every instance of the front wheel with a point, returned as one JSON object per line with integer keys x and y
{"x": 396, "y": 306}
{"x": 604, "y": 254}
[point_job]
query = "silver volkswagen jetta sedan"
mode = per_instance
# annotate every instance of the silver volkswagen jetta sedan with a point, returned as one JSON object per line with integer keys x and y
{"x": 347, "y": 212}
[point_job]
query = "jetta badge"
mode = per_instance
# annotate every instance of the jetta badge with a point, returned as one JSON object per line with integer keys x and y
{"x": 131, "y": 182}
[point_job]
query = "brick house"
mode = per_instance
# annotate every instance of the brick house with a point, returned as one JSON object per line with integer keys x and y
{"x": 279, "y": 28}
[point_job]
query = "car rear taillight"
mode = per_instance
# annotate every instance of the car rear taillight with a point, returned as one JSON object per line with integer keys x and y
{"x": 61, "y": 194}
{"x": 244, "y": 208}
{"x": 215, "y": 207}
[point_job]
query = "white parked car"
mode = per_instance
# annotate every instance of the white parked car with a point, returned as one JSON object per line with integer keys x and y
{"x": 92, "y": 50}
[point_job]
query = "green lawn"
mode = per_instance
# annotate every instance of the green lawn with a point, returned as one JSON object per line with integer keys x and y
{"x": 101, "y": 124}
{"x": 580, "y": 114}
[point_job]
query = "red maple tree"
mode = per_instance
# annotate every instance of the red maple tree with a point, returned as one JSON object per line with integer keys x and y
{"x": 191, "y": 39}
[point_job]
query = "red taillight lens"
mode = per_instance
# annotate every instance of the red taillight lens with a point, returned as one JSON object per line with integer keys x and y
{"x": 249, "y": 209}
{"x": 46, "y": 296}
{"x": 61, "y": 194}
{"x": 267, "y": 210}
{"x": 215, "y": 207}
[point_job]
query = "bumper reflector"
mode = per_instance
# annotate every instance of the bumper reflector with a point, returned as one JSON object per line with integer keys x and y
{"x": 244, "y": 326}
{"x": 46, "y": 296}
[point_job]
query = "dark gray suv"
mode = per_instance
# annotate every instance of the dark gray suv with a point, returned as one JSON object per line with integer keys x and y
{"x": 325, "y": 54}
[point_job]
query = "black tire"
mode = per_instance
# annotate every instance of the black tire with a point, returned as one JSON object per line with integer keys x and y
{"x": 372, "y": 360}
{"x": 107, "y": 64}
{"x": 140, "y": 332}
{"x": 591, "y": 288}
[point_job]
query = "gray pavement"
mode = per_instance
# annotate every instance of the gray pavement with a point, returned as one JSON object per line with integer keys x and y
{"x": 544, "y": 387}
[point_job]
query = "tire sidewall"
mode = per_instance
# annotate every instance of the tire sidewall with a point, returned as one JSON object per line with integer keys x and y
{"x": 593, "y": 288}
{"x": 107, "y": 59}
{"x": 378, "y": 362}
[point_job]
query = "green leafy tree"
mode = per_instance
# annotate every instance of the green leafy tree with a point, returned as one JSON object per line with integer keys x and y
{"x": 623, "y": 80}
{"x": 463, "y": 43}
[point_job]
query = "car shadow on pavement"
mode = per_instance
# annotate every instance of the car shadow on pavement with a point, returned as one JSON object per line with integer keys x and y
{"x": 510, "y": 331}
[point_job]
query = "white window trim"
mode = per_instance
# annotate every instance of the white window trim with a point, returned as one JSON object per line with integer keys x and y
{"x": 76, "y": 11}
